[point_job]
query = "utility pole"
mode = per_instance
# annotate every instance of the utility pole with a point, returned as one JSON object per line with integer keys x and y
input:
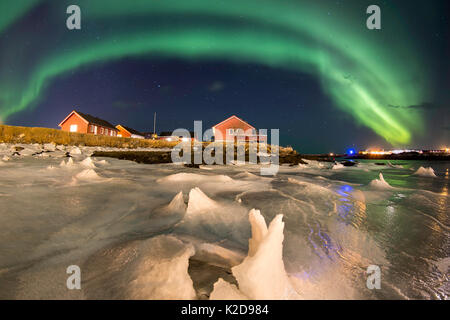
{"x": 154, "y": 124}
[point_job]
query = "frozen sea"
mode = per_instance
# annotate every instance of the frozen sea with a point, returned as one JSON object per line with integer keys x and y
{"x": 140, "y": 231}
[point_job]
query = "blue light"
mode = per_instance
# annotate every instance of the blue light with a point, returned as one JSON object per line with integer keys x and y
{"x": 351, "y": 151}
{"x": 347, "y": 188}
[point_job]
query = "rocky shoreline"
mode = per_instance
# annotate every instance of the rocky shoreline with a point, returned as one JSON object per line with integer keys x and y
{"x": 287, "y": 156}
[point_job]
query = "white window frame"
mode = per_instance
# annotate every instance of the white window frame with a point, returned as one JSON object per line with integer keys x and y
{"x": 230, "y": 131}
{"x": 73, "y": 128}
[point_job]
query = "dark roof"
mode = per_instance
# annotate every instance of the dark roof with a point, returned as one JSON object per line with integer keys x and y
{"x": 97, "y": 121}
{"x": 132, "y": 131}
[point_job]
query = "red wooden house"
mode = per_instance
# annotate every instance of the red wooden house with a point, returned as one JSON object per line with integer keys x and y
{"x": 235, "y": 129}
{"x": 128, "y": 132}
{"x": 85, "y": 123}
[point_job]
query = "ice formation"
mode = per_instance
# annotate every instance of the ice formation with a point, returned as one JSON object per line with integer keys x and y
{"x": 325, "y": 234}
{"x": 224, "y": 290}
{"x": 217, "y": 255}
{"x": 315, "y": 164}
{"x": 155, "y": 268}
{"x": 246, "y": 175}
{"x": 177, "y": 205}
{"x": 162, "y": 272}
{"x": 261, "y": 276}
{"x": 50, "y": 146}
{"x": 338, "y": 166}
{"x": 198, "y": 201}
{"x": 75, "y": 150}
{"x": 88, "y": 163}
{"x": 380, "y": 183}
{"x": 102, "y": 162}
{"x": 87, "y": 175}
{"x": 69, "y": 163}
{"x": 192, "y": 177}
{"x": 425, "y": 172}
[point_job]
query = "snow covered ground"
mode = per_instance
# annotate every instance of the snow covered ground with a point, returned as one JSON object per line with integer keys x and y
{"x": 164, "y": 231}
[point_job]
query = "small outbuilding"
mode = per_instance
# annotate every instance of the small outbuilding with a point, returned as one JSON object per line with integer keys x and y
{"x": 128, "y": 132}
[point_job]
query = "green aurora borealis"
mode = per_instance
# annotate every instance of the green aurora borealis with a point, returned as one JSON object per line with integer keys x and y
{"x": 364, "y": 72}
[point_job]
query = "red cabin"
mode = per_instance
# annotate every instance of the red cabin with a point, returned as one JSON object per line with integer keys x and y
{"x": 85, "y": 123}
{"x": 235, "y": 129}
{"x": 127, "y": 132}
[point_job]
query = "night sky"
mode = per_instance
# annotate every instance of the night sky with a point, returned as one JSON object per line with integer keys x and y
{"x": 310, "y": 68}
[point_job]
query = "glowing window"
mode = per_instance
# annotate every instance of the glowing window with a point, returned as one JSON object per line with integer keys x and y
{"x": 73, "y": 128}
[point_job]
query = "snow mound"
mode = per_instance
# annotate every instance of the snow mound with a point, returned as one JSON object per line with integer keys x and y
{"x": 193, "y": 177}
{"x": 246, "y": 175}
{"x": 88, "y": 163}
{"x": 338, "y": 166}
{"x": 390, "y": 165}
{"x": 75, "y": 150}
{"x": 102, "y": 162}
{"x": 87, "y": 174}
{"x": 425, "y": 172}
{"x": 380, "y": 183}
{"x": 217, "y": 255}
{"x": 50, "y": 167}
{"x": 199, "y": 202}
{"x": 49, "y": 147}
{"x": 163, "y": 272}
{"x": 177, "y": 205}
{"x": 6, "y": 158}
{"x": 314, "y": 164}
{"x": 261, "y": 275}
{"x": 69, "y": 163}
{"x": 226, "y": 291}
{"x": 155, "y": 268}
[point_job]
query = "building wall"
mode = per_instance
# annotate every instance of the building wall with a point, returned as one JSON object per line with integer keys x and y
{"x": 103, "y": 131}
{"x": 124, "y": 133}
{"x": 82, "y": 126}
{"x": 221, "y": 133}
